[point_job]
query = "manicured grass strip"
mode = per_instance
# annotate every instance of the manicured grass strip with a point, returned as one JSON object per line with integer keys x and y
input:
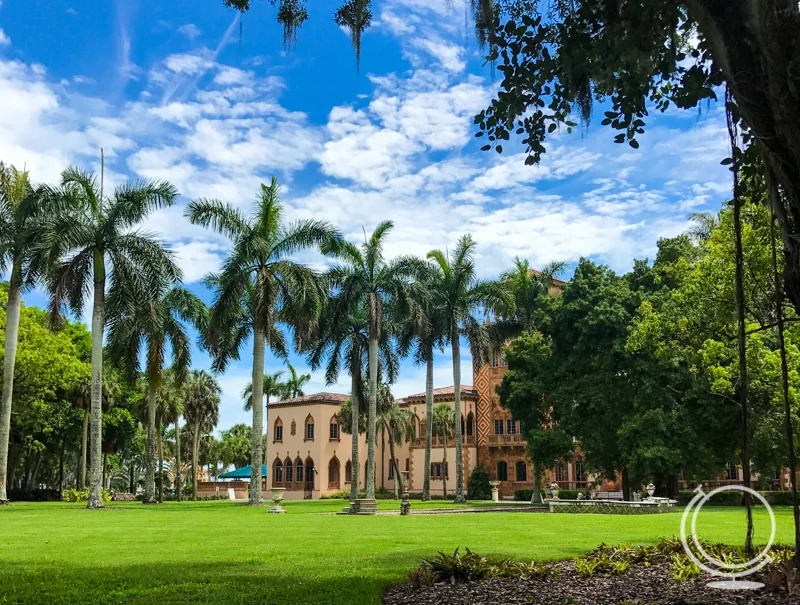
{"x": 223, "y": 553}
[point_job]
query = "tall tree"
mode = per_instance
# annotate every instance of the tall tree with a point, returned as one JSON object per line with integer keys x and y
{"x": 461, "y": 295}
{"x": 364, "y": 279}
{"x": 528, "y": 286}
{"x": 19, "y": 209}
{"x": 201, "y": 410}
{"x": 169, "y": 411}
{"x": 273, "y": 387}
{"x": 293, "y": 387}
{"x": 443, "y": 421}
{"x": 398, "y": 424}
{"x": 260, "y": 288}
{"x": 93, "y": 242}
{"x": 159, "y": 321}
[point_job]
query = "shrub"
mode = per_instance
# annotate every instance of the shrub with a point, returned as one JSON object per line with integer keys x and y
{"x": 478, "y": 487}
{"x": 73, "y": 495}
{"x": 734, "y": 498}
{"x": 34, "y": 495}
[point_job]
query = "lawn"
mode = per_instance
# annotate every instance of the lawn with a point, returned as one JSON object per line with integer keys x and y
{"x": 227, "y": 554}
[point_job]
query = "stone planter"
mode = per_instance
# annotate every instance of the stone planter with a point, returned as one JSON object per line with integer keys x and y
{"x": 554, "y": 489}
{"x": 277, "y": 497}
{"x": 495, "y": 491}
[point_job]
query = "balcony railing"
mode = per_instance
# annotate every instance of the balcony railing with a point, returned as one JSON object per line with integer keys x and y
{"x": 514, "y": 439}
{"x": 439, "y": 442}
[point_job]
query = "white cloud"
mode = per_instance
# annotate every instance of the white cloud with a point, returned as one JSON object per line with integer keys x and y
{"x": 190, "y": 30}
{"x": 4, "y": 39}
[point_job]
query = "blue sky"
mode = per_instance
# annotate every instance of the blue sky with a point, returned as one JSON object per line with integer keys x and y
{"x": 170, "y": 91}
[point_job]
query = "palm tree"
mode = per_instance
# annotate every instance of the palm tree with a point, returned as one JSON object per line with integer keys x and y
{"x": 201, "y": 410}
{"x": 92, "y": 242}
{"x": 444, "y": 421}
{"x": 19, "y": 212}
{"x": 703, "y": 223}
{"x": 398, "y": 423}
{"x": 170, "y": 409}
{"x": 258, "y": 289}
{"x": 273, "y": 387}
{"x": 527, "y": 286}
{"x": 365, "y": 280}
{"x": 293, "y": 387}
{"x": 458, "y": 291}
{"x": 155, "y": 322}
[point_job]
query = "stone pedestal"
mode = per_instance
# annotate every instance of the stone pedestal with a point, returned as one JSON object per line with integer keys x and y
{"x": 277, "y": 496}
{"x": 495, "y": 492}
{"x": 405, "y": 504}
{"x": 364, "y": 506}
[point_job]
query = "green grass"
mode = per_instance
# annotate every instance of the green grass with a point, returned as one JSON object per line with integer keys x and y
{"x": 227, "y": 554}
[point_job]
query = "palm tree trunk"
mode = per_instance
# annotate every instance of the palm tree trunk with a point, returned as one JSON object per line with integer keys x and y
{"x": 355, "y": 371}
{"x": 9, "y": 359}
{"x": 373, "y": 407}
{"x": 255, "y": 497}
{"x": 131, "y": 480}
{"x": 84, "y": 446}
{"x": 456, "y": 346}
{"x": 740, "y": 320}
{"x": 444, "y": 466}
{"x": 150, "y": 469}
{"x": 178, "y": 484}
{"x": 96, "y": 434}
{"x": 160, "y": 466}
{"x": 61, "y": 464}
{"x": 426, "y": 476}
{"x": 195, "y": 447}
{"x": 398, "y": 478}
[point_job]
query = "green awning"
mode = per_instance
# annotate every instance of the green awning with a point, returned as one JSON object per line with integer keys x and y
{"x": 243, "y": 473}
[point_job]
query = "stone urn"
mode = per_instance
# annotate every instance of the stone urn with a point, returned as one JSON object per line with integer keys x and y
{"x": 277, "y": 497}
{"x": 495, "y": 491}
{"x": 554, "y": 489}
{"x": 651, "y": 489}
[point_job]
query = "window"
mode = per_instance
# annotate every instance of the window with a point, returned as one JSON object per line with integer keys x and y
{"x": 298, "y": 467}
{"x": 580, "y": 475}
{"x": 334, "y": 430}
{"x": 502, "y": 471}
{"x": 278, "y": 434}
{"x": 407, "y": 465}
{"x": 511, "y": 427}
{"x": 278, "y": 472}
{"x": 561, "y": 473}
{"x": 498, "y": 427}
{"x": 288, "y": 470}
{"x": 333, "y": 472}
{"x": 503, "y": 360}
{"x": 309, "y": 471}
{"x": 522, "y": 471}
{"x": 733, "y": 472}
{"x": 348, "y": 472}
{"x": 495, "y": 359}
{"x": 309, "y": 430}
{"x": 470, "y": 425}
{"x": 437, "y": 469}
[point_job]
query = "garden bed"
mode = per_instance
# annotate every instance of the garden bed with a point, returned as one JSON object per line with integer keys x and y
{"x": 636, "y": 580}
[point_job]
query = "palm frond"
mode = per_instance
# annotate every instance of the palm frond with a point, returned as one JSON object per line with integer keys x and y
{"x": 222, "y": 218}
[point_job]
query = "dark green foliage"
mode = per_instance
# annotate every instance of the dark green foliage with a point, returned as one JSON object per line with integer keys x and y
{"x": 478, "y": 487}
{"x": 524, "y": 495}
{"x": 34, "y": 495}
{"x": 461, "y": 568}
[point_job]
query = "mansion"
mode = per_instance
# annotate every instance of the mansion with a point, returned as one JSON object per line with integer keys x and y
{"x": 310, "y": 456}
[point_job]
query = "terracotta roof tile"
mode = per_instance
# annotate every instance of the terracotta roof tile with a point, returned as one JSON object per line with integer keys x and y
{"x": 467, "y": 390}
{"x": 330, "y": 398}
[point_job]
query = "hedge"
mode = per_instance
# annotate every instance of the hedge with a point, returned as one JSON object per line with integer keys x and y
{"x": 524, "y": 495}
{"x": 34, "y": 495}
{"x": 734, "y": 498}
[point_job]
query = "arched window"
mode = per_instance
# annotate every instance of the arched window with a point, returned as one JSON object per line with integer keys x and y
{"x": 502, "y": 471}
{"x": 733, "y": 472}
{"x": 580, "y": 474}
{"x": 561, "y": 473}
{"x": 298, "y": 471}
{"x": 294, "y": 428}
{"x": 334, "y": 432}
{"x": 348, "y": 472}
{"x": 288, "y": 470}
{"x": 308, "y": 435}
{"x": 470, "y": 424}
{"x": 309, "y": 470}
{"x": 522, "y": 471}
{"x": 277, "y": 474}
{"x": 278, "y": 431}
{"x": 333, "y": 473}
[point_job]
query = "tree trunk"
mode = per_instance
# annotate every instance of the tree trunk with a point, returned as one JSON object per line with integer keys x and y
{"x": 373, "y": 403}
{"x": 96, "y": 433}
{"x": 150, "y": 469}
{"x": 536, "y": 494}
{"x": 787, "y": 406}
{"x": 355, "y": 372}
{"x": 456, "y": 346}
{"x": 132, "y": 472}
{"x": 178, "y": 484}
{"x": 741, "y": 337}
{"x": 266, "y": 436}
{"x": 398, "y": 478}
{"x": 160, "y": 466}
{"x": 626, "y": 485}
{"x": 426, "y": 475}
{"x": 255, "y": 497}
{"x": 84, "y": 446}
{"x": 9, "y": 359}
{"x": 61, "y": 464}
{"x": 444, "y": 466}
{"x": 195, "y": 447}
